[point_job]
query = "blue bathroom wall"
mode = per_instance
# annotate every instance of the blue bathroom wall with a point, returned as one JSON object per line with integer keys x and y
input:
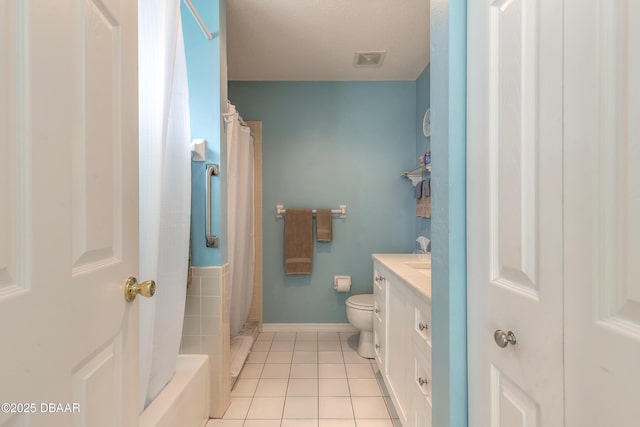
{"x": 206, "y": 70}
{"x": 326, "y": 144}
{"x": 448, "y": 223}
{"x": 423, "y": 143}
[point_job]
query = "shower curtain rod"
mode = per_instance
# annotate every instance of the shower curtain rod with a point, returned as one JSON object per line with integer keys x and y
{"x": 196, "y": 15}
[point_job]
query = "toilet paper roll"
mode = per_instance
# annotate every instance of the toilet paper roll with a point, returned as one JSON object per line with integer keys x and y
{"x": 342, "y": 283}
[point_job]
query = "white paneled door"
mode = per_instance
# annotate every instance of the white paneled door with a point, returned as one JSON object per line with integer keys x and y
{"x": 602, "y": 213}
{"x": 68, "y": 212}
{"x": 515, "y": 213}
{"x": 553, "y": 212}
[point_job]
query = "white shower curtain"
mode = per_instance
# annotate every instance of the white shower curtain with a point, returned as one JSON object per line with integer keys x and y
{"x": 240, "y": 217}
{"x": 165, "y": 189}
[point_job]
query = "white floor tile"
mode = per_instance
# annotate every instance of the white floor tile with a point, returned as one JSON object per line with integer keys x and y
{"x": 329, "y": 346}
{"x": 351, "y": 344}
{"x": 282, "y": 346}
{"x": 333, "y": 387}
{"x": 328, "y": 336}
{"x": 310, "y": 379}
{"x": 330, "y": 357}
{"x": 345, "y": 336}
{"x": 306, "y": 346}
{"x": 268, "y": 387}
{"x": 369, "y": 407}
{"x": 304, "y": 370}
{"x": 364, "y": 387}
{"x": 302, "y": 387}
{"x": 262, "y": 423}
{"x": 332, "y": 371}
{"x": 355, "y": 370}
{"x": 244, "y": 388}
{"x": 285, "y": 336}
{"x": 257, "y": 357}
{"x": 265, "y": 336}
{"x": 225, "y": 423}
{"x": 251, "y": 371}
{"x": 305, "y": 357}
{"x": 354, "y": 357}
{"x": 372, "y": 423}
{"x": 299, "y": 423}
{"x": 238, "y": 408}
{"x": 301, "y": 408}
{"x": 306, "y": 336}
{"x": 335, "y": 407}
{"x": 337, "y": 423}
{"x": 279, "y": 356}
{"x": 261, "y": 346}
{"x": 266, "y": 408}
{"x": 276, "y": 370}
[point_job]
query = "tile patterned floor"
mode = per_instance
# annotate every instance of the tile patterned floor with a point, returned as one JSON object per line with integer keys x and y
{"x": 308, "y": 379}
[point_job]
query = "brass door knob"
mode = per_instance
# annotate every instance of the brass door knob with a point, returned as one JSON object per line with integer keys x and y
{"x": 132, "y": 288}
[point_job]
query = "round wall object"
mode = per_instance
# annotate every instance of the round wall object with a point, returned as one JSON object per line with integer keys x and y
{"x": 426, "y": 123}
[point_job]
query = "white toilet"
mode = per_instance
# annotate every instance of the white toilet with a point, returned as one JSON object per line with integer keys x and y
{"x": 360, "y": 315}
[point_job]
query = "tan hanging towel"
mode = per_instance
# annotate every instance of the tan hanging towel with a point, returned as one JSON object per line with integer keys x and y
{"x": 423, "y": 203}
{"x": 323, "y": 225}
{"x": 423, "y": 207}
{"x": 298, "y": 241}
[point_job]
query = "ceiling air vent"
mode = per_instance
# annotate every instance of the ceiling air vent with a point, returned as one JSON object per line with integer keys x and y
{"x": 369, "y": 59}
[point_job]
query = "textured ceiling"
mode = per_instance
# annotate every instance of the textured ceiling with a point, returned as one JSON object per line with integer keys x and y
{"x": 317, "y": 39}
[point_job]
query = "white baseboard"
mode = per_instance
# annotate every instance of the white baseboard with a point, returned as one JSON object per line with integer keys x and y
{"x": 308, "y": 327}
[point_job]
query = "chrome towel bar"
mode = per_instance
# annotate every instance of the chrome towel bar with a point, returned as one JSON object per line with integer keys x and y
{"x": 212, "y": 170}
{"x": 342, "y": 212}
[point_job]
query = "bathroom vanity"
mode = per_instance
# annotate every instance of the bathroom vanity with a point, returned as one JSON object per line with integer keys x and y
{"x": 402, "y": 333}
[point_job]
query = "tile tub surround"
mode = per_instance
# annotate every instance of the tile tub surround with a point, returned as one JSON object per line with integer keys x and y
{"x": 307, "y": 378}
{"x": 206, "y": 329}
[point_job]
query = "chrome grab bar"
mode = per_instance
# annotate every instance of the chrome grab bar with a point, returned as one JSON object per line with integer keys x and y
{"x": 212, "y": 241}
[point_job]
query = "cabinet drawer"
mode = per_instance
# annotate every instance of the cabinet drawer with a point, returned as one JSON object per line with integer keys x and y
{"x": 378, "y": 282}
{"x": 378, "y": 308}
{"x": 421, "y": 396}
{"x": 421, "y": 380}
{"x": 378, "y": 341}
{"x": 422, "y": 325}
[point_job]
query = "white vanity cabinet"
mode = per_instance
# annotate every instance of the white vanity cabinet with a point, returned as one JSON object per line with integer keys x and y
{"x": 378, "y": 317}
{"x": 402, "y": 334}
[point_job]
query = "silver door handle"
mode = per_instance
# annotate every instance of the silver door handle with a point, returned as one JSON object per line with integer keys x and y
{"x": 212, "y": 241}
{"x": 503, "y": 338}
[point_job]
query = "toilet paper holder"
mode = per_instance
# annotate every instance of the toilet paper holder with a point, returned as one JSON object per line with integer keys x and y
{"x": 342, "y": 283}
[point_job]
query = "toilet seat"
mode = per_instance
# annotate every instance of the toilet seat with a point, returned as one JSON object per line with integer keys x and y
{"x": 361, "y": 302}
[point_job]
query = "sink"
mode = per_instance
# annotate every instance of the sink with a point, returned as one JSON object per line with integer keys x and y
{"x": 420, "y": 265}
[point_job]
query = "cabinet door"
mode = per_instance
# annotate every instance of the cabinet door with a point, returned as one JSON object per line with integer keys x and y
{"x": 378, "y": 319}
{"x": 421, "y": 327}
{"x": 399, "y": 317}
{"x": 420, "y": 389}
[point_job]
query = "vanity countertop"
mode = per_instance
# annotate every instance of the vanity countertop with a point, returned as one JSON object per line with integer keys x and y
{"x": 413, "y": 269}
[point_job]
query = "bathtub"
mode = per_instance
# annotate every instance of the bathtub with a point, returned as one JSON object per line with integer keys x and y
{"x": 185, "y": 400}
